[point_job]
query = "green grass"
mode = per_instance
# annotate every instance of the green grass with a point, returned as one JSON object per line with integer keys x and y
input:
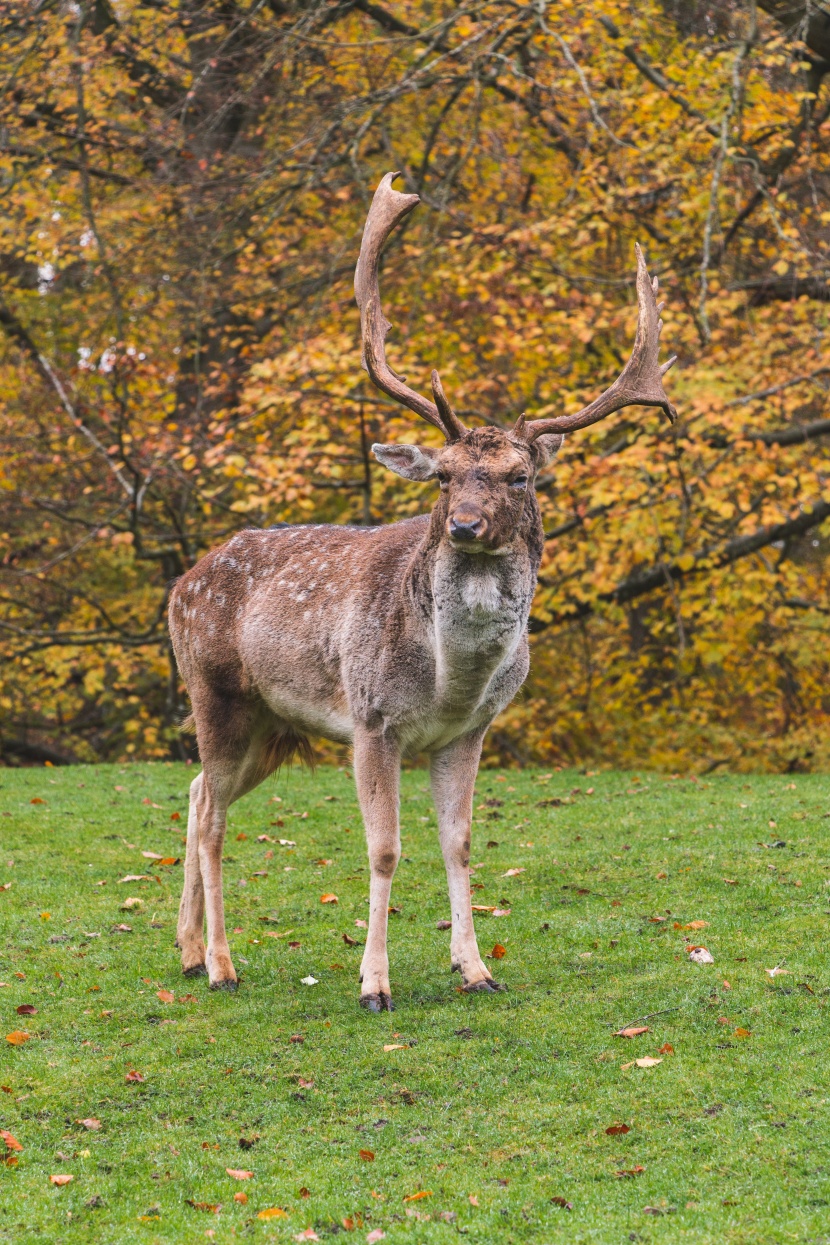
{"x": 504, "y": 1097}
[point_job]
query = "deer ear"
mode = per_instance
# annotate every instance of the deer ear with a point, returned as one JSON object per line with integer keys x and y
{"x": 547, "y": 447}
{"x": 410, "y": 461}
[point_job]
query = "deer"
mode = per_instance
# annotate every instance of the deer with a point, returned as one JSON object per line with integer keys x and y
{"x": 400, "y": 639}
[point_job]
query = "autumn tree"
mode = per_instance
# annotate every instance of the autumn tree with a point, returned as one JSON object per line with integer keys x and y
{"x": 183, "y": 187}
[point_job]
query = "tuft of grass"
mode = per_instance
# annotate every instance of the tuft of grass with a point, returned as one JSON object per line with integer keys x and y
{"x": 497, "y": 1107}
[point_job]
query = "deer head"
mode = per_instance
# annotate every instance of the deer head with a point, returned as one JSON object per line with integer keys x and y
{"x": 485, "y": 473}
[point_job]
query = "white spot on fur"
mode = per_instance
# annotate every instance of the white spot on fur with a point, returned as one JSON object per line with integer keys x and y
{"x": 481, "y": 592}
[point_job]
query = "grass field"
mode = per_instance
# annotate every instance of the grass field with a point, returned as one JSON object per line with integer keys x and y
{"x": 498, "y": 1107}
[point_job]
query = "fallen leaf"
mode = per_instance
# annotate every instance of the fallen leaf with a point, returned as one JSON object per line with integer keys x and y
{"x": 238, "y": 1173}
{"x": 133, "y": 1076}
{"x": 122, "y": 929}
{"x": 776, "y": 972}
{"x": 152, "y": 855}
{"x": 304, "y": 1084}
{"x": 296, "y": 1037}
{"x": 443, "y": 925}
{"x": 17, "y": 1037}
{"x": 656, "y": 920}
{"x": 629, "y": 1172}
{"x": 170, "y": 860}
{"x": 661, "y": 876}
{"x": 616, "y": 1130}
{"x": 241, "y": 837}
{"x": 647, "y": 1061}
{"x": 563, "y": 1202}
{"x": 699, "y": 955}
{"x": 309, "y": 981}
{"x": 361, "y": 924}
{"x": 240, "y": 1197}
{"x": 273, "y": 1212}
{"x": 632, "y": 1031}
{"x": 63, "y": 1178}
{"x": 743, "y": 1032}
{"x": 804, "y": 986}
{"x": 481, "y": 907}
{"x": 731, "y": 881}
{"x": 132, "y": 901}
{"x": 498, "y": 952}
{"x": 11, "y": 1142}
{"x": 502, "y": 911}
{"x": 166, "y": 996}
{"x": 367, "y": 1155}
{"x": 308, "y": 1235}
{"x": 26, "y": 1009}
{"x": 328, "y": 899}
{"x": 136, "y": 877}
{"x": 696, "y": 925}
{"x": 351, "y": 942}
{"x": 395, "y": 1046}
{"x": 304, "y": 1192}
{"x": 36, "y": 800}
{"x": 212, "y": 1207}
{"x": 175, "y": 816}
{"x": 91, "y": 1125}
{"x": 6, "y": 886}
{"x": 375, "y": 1235}
{"x": 473, "y": 1200}
{"x": 512, "y": 873}
{"x": 416, "y": 1197}
{"x": 666, "y": 1049}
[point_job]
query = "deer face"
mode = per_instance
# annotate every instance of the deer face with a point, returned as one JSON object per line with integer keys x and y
{"x": 484, "y": 480}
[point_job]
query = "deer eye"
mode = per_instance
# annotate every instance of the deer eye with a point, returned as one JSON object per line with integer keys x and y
{"x": 442, "y": 478}
{"x": 519, "y": 482}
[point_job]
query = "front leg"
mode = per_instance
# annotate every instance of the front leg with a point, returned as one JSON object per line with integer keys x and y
{"x": 377, "y": 764}
{"x": 453, "y": 772}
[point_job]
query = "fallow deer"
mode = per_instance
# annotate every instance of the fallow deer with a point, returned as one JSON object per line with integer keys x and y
{"x": 398, "y": 639}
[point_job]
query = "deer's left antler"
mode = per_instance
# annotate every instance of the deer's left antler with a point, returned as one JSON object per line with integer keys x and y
{"x": 640, "y": 383}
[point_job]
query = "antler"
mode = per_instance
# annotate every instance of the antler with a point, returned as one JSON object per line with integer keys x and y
{"x": 640, "y": 383}
{"x": 388, "y": 209}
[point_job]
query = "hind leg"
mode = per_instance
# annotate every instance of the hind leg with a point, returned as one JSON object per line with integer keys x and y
{"x": 190, "y": 932}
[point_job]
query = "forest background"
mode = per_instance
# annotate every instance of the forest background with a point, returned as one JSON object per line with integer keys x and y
{"x": 183, "y": 185}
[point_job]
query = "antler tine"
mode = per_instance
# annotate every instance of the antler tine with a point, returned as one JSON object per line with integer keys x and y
{"x": 389, "y": 207}
{"x": 639, "y": 384}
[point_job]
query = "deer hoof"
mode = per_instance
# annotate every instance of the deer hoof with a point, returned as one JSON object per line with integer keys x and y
{"x": 483, "y": 987}
{"x": 195, "y": 970}
{"x": 377, "y": 1002}
{"x": 227, "y": 983}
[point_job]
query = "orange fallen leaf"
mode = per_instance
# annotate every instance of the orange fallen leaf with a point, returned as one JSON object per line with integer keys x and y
{"x": 661, "y": 876}
{"x": 273, "y": 1212}
{"x": 483, "y": 907}
{"x": 616, "y": 1130}
{"x": 166, "y": 996}
{"x": 26, "y": 1009}
{"x": 666, "y": 1049}
{"x": 240, "y": 1197}
{"x": 170, "y": 860}
{"x": 512, "y": 873}
{"x": 696, "y": 925}
{"x": 241, "y": 837}
{"x": 498, "y": 952}
{"x": 132, "y": 1075}
{"x": 63, "y": 1178}
{"x": 11, "y": 1142}
{"x": 37, "y": 800}
{"x": 239, "y": 1173}
{"x": 632, "y": 1031}
{"x": 17, "y": 1037}
{"x": 351, "y": 942}
{"x": 91, "y": 1125}
{"x": 394, "y": 1046}
{"x": 473, "y": 1200}
{"x": 212, "y": 1207}
{"x": 731, "y": 881}
{"x": 328, "y": 899}
{"x": 304, "y": 1192}
{"x": 367, "y": 1155}
{"x": 416, "y": 1197}
{"x": 629, "y": 1172}
{"x": 647, "y": 1061}
{"x": 743, "y": 1032}
{"x": 175, "y": 816}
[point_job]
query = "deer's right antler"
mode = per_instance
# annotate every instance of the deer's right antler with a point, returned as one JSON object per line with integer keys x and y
{"x": 388, "y": 209}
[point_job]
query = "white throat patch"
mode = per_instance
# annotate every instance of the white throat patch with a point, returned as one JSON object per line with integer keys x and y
{"x": 481, "y": 592}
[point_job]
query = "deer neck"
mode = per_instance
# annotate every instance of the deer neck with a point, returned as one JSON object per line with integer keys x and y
{"x": 475, "y": 605}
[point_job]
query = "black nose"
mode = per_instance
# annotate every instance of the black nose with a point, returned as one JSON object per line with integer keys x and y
{"x": 466, "y": 529}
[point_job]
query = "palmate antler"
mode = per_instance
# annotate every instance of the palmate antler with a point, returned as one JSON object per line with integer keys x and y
{"x": 388, "y": 209}
{"x": 639, "y": 384}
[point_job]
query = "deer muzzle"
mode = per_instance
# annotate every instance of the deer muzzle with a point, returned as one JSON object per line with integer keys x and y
{"x": 467, "y": 525}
